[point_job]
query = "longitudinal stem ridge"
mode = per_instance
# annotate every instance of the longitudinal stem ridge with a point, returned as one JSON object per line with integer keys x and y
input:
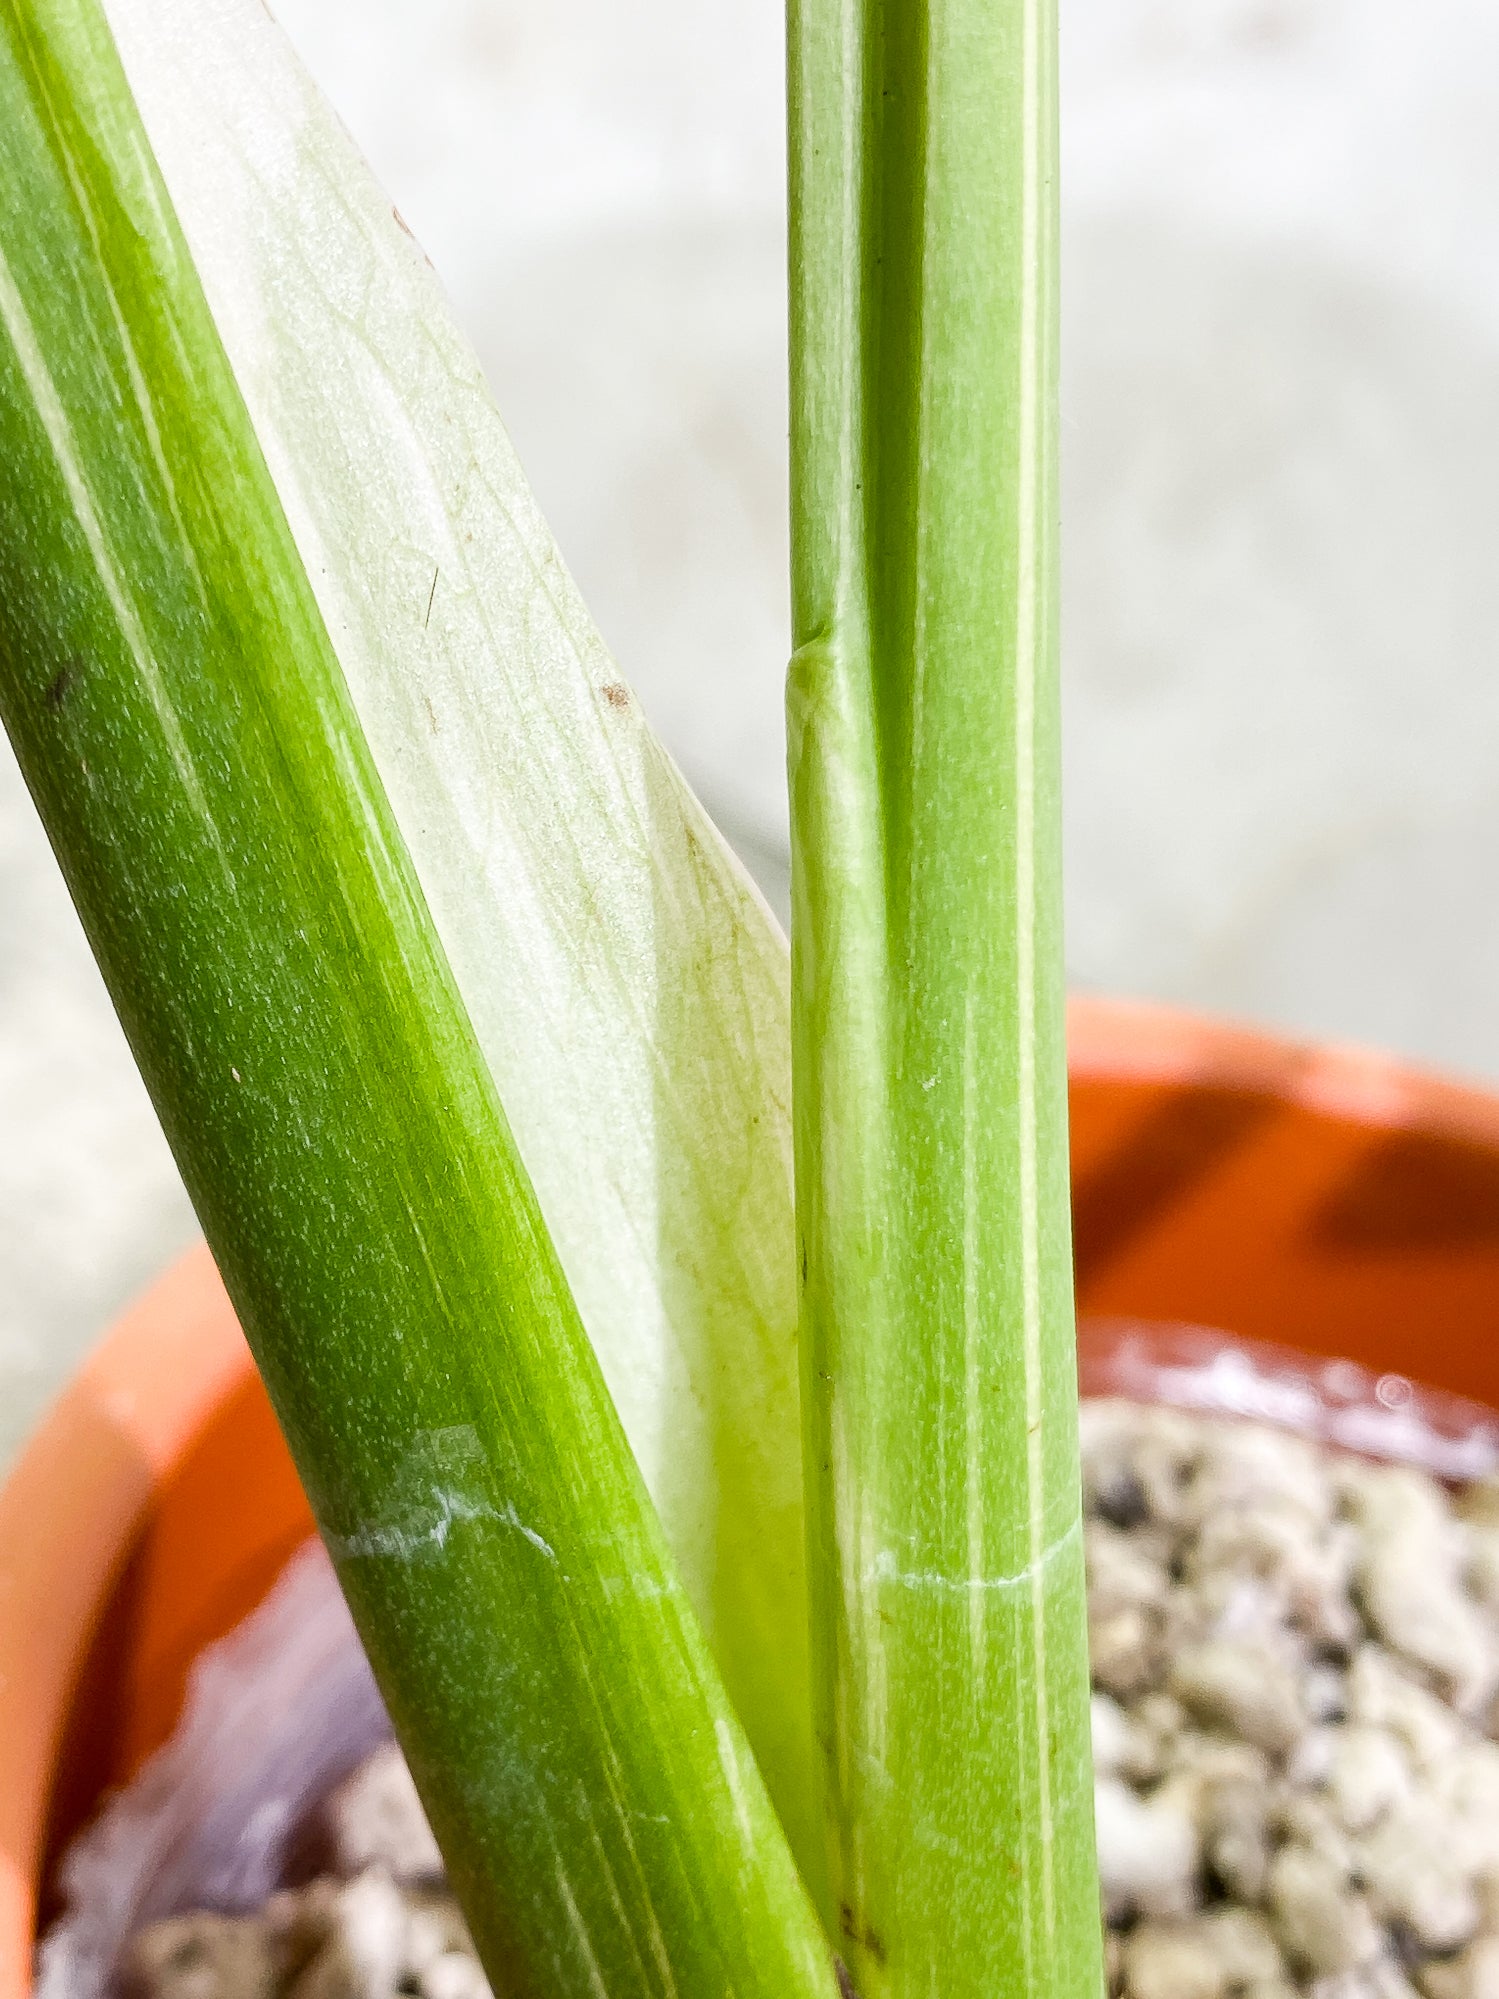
{"x": 939, "y": 1389}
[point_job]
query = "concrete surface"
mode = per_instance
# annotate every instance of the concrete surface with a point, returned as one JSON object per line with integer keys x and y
{"x": 1281, "y": 395}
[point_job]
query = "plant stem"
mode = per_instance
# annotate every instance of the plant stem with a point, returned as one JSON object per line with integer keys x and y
{"x": 630, "y": 997}
{"x": 185, "y": 728}
{"x": 939, "y": 1382}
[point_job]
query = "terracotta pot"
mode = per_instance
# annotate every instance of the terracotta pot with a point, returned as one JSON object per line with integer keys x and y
{"x": 1324, "y": 1199}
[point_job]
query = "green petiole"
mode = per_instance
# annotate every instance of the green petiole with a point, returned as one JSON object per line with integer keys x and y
{"x": 939, "y": 1389}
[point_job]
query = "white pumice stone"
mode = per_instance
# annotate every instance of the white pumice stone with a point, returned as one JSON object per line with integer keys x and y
{"x": 1148, "y": 1851}
{"x": 1244, "y": 1945}
{"x": 1472, "y": 1974}
{"x": 1238, "y": 1841}
{"x": 202, "y": 1957}
{"x": 1325, "y": 1692}
{"x": 375, "y": 1819}
{"x": 1417, "y": 1878}
{"x": 454, "y": 1976}
{"x": 434, "y": 1929}
{"x": 1389, "y": 1980}
{"x": 1368, "y": 1774}
{"x": 1380, "y": 1979}
{"x": 1311, "y": 1760}
{"x": 1111, "y": 1735}
{"x": 1305, "y": 1820}
{"x": 368, "y": 1937}
{"x": 1242, "y": 1688}
{"x": 1481, "y": 1569}
{"x": 365, "y": 1953}
{"x": 1410, "y": 1581}
{"x": 1173, "y": 1961}
{"x": 1385, "y": 1692}
{"x": 1323, "y": 1926}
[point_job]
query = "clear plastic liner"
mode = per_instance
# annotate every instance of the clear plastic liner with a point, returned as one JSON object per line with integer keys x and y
{"x": 1336, "y": 1401}
{"x": 277, "y": 1714}
{"x": 281, "y": 1710}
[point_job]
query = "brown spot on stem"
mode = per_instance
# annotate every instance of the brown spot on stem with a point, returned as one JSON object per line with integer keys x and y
{"x": 616, "y": 694}
{"x": 846, "y": 1984}
{"x": 61, "y": 686}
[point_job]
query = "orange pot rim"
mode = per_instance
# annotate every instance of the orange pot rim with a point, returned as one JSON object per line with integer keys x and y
{"x": 70, "y": 1511}
{"x": 1155, "y": 1043}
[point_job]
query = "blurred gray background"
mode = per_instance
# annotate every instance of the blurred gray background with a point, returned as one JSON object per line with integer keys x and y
{"x": 1281, "y": 439}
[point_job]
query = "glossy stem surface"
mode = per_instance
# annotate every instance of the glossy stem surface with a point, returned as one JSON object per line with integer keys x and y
{"x": 939, "y": 1375}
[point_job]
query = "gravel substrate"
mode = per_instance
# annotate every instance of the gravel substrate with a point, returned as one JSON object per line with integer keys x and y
{"x": 1295, "y": 1662}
